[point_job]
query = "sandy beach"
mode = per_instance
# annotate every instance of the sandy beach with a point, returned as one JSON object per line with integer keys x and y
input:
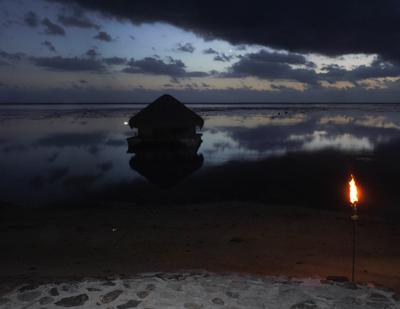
{"x": 198, "y": 290}
{"x": 55, "y": 245}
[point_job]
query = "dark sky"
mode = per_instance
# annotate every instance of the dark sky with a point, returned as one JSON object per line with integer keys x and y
{"x": 200, "y": 51}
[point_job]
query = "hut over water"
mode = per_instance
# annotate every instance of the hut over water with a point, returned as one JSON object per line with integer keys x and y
{"x": 166, "y": 118}
{"x": 166, "y": 124}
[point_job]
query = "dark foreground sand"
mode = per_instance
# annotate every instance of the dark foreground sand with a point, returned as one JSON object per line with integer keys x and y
{"x": 41, "y": 246}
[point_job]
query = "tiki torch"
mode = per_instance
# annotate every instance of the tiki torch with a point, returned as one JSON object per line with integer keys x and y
{"x": 353, "y": 196}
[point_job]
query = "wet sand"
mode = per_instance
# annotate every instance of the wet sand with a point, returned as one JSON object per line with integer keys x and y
{"x": 45, "y": 245}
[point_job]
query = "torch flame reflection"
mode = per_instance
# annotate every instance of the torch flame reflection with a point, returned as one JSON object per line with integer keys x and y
{"x": 353, "y": 191}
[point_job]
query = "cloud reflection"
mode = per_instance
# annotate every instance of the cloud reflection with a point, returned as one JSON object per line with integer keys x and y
{"x": 377, "y": 122}
{"x": 277, "y": 118}
{"x": 320, "y": 140}
{"x": 370, "y": 121}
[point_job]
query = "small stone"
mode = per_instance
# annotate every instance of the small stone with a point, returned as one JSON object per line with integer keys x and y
{"x": 337, "y": 278}
{"x": 73, "y": 301}
{"x": 308, "y": 304}
{"x": 70, "y": 287}
{"x": 396, "y": 297}
{"x": 192, "y": 306}
{"x": 218, "y": 301}
{"x": 376, "y": 300}
{"x": 46, "y": 300}
{"x": 150, "y": 287}
{"x": 111, "y": 296}
{"x": 93, "y": 289}
{"x": 109, "y": 283}
{"x": 376, "y": 297}
{"x": 54, "y": 292}
{"x": 130, "y": 304}
{"x": 29, "y": 296}
{"x": 232, "y": 294}
{"x": 349, "y": 302}
{"x": 143, "y": 294}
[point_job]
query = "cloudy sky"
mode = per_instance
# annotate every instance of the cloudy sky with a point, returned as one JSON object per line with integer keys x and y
{"x": 200, "y": 51}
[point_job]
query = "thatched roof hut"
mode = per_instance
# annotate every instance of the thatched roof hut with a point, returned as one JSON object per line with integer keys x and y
{"x": 164, "y": 113}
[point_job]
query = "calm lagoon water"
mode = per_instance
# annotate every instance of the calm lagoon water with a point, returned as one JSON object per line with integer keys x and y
{"x": 76, "y": 155}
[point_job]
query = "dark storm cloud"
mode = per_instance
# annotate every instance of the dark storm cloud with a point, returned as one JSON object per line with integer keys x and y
{"x": 155, "y": 66}
{"x": 209, "y": 51}
{"x": 69, "y": 64}
{"x": 271, "y": 65}
{"x": 196, "y": 74}
{"x": 115, "y": 61}
{"x": 150, "y": 65}
{"x": 52, "y": 28}
{"x": 174, "y": 68}
{"x": 377, "y": 69}
{"x": 186, "y": 48}
{"x": 49, "y": 45}
{"x": 31, "y": 19}
{"x": 223, "y": 58}
{"x": 92, "y": 53}
{"x": 331, "y": 28}
{"x": 78, "y": 19}
{"x": 103, "y": 36}
{"x": 11, "y": 56}
{"x": 266, "y": 56}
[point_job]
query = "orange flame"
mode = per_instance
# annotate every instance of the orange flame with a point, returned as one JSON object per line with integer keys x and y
{"x": 353, "y": 192}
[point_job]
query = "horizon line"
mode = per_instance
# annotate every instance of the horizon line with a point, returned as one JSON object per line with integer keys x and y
{"x": 188, "y": 103}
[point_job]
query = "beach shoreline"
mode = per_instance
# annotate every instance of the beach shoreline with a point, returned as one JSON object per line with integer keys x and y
{"x": 56, "y": 245}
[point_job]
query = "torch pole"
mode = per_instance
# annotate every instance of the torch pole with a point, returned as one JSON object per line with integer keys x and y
{"x": 354, "y": 218}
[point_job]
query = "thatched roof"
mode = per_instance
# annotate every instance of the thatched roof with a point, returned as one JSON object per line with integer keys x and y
{"x": 166, "y": 111}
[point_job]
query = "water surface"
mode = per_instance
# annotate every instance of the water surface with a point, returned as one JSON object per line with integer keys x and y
{"x": 275, "y": 154}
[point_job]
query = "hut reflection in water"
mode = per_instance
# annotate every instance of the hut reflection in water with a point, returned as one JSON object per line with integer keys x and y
{"x": 166, "y": 143}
